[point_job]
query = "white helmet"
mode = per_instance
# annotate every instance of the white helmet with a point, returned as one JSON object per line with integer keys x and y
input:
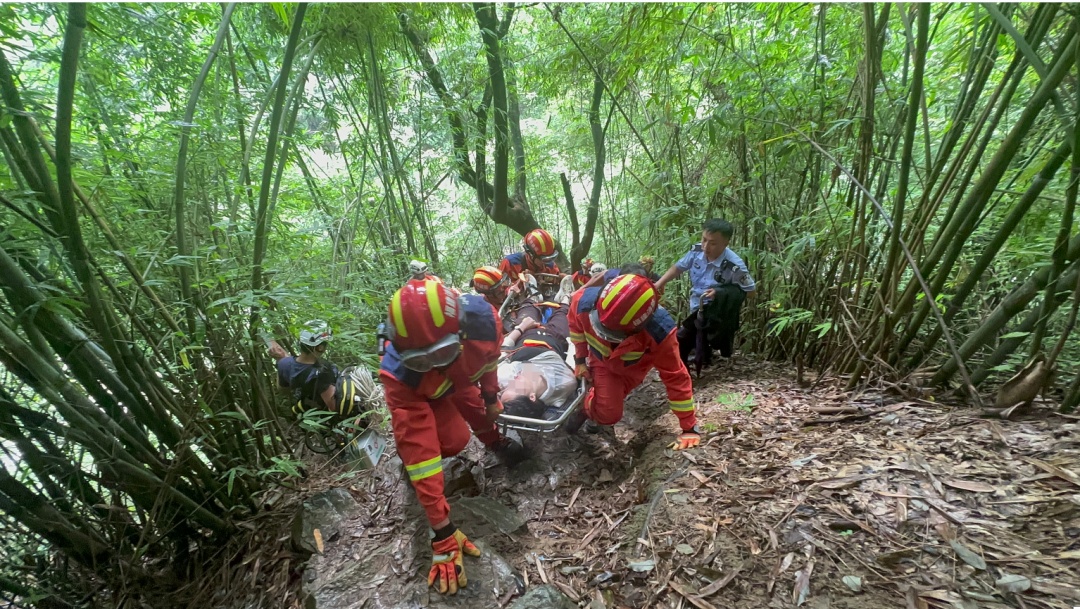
{"x": 418, "y": 269}
{"x": 597, "y": 269}
{"x": 315, "y": 333}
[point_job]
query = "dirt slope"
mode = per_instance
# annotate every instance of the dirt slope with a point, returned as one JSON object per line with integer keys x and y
{"x": 915, "y": 504}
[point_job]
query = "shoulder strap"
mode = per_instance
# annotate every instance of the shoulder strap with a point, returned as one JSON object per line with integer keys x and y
{"x": 660, "y": 325}
{"x": 588, "y": 299}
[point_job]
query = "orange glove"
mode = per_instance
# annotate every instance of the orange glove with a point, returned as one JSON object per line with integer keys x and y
{"x": 687, "y": 439}
{"x": 447, "y": 571}
{"x": 581, "y": 371}
{"x": 494, "y": 409}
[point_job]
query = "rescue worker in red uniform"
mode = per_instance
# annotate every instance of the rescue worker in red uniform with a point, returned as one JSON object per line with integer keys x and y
{"x": 620, "y": 333}
{"x": 490, "y": 283}
{"x": 581, "y": 277}
{"x": 439, "y": 373}
{"x": 538, "y": 256}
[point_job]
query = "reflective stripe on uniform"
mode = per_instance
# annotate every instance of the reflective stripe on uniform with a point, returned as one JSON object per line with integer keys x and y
{"x": 446, "y": 385}
{"x": 577, "y": 337}
{"x": 630, "y": 356}
{"x": 481, "y": 372}
{"x": 424, "y": 469}
{"x": 598, "y": 344}
{"x": 682, "y": 405}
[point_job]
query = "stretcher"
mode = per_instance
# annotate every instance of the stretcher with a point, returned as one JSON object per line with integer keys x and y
{"x": 507, "y": 421}
{"x": 548, "y": 284}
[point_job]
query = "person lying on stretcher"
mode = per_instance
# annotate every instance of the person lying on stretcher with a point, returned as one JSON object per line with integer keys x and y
{"x": 535, "y": 380}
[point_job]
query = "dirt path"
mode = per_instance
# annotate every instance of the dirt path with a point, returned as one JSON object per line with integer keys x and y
{"x": 913, "y": 505}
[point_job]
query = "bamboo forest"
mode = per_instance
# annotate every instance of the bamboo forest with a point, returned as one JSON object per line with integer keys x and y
{"x": 358, "y": 305}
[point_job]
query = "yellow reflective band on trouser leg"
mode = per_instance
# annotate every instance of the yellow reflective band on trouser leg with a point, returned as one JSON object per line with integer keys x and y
{"x": 682, "y": 405}
{"x": 424, "y": 469}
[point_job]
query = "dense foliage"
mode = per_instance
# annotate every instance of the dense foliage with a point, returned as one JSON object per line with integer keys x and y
{"x": 181, "y": 181}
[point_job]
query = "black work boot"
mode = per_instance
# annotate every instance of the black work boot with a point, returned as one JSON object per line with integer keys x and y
{"x": 510, "y": 452}
{"x": 575, "y": 421}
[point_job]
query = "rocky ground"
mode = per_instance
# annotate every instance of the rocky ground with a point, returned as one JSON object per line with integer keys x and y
{"x": 797, "y": 498}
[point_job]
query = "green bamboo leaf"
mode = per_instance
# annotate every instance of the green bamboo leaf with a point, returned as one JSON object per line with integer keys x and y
{"x": 279, "y": 8}
{"x": 1021, "y": 43}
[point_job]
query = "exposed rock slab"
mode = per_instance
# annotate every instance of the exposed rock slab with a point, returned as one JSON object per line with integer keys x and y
{"x": 325, "y": 511}
{"x": 543, "y": 597}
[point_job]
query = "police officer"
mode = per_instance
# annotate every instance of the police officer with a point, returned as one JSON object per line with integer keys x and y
{"x": 720, "y": 282}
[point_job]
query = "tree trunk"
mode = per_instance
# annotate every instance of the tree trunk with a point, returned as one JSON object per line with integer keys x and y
{"x": 599, "y": 163}
{"x": 181, "y": 173}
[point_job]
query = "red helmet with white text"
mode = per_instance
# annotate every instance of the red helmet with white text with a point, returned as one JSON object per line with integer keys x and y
{"x": 540, "y": 243}
{"x": 624, "y": 307}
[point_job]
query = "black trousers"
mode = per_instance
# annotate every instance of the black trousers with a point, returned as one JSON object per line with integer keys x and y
{"x": 721, "y": 324}
{"x": 554, "y": 332}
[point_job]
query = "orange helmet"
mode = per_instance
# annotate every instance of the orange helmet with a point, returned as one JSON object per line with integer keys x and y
{"x": 624, "y": 306}
{"x": 540, "y": 243}
{"x": 486, "y": 279}
{"x": 422, "y": 313}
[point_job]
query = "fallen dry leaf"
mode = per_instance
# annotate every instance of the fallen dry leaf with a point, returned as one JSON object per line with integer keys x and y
{"x": 802, "y": 584}
{"x": 968, "y": 485}
{"x": 1011, "y": 582}
{"x": 1064, "y": 474}
{"x": 840, "y": 483}
{"x": 689, "y": 595}
{"x": 968, "y": 556}
{"x": 854, "y": 582}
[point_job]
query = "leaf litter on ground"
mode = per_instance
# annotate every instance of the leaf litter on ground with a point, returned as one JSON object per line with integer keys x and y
{"x": 959, "y": 509}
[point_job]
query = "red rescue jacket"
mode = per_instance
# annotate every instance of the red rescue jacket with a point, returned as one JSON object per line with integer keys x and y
{"x": 655, "y": 346}
{"x": 519, "y": 262}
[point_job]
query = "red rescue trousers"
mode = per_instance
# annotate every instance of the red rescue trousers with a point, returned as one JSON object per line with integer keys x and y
{"x": 613, "y": 380}
{"x": 428, "y": 432}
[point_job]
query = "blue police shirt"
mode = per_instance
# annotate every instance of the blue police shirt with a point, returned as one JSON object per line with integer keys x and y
{"x": 728, "y": 268}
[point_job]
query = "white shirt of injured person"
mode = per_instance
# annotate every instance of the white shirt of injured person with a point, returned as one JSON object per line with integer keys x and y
{"x": 525, "y": 378}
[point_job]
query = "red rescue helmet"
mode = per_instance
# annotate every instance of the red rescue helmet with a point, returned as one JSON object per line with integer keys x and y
{"x": 624, "y": 306}
{"x": 540, "y": 243}
{"x": 486, "y": 279}
{"x": 422, "y": 313}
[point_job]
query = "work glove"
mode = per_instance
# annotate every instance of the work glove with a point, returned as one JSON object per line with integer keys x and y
{"x": 581, "y": 371}
{"x": 687, "y": 439}
{"x": 494, "y": 409}
{"x": 447, "y": 571}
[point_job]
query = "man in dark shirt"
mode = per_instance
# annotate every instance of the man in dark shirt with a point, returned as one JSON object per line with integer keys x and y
{"x": 311, "y": 379}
